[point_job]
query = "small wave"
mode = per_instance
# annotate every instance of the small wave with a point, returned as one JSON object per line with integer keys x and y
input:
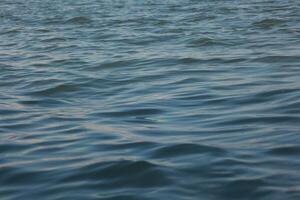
{"x": 79, "y": 20}
{"x": 251, "y": 120}
{"x": 277, "y": 59}
{"x": 10, "y": 31}
{"x": 40, "y": 82}
{"x": 288, "y": 150}
{"x": 140, "y": 146}
{"x": 247, "y": 187}
{"x": 12, "y": 148}
{"x": 10, "y": 112}
{"x": 115, "y": 64}
{"x": 190, "y": 60}
{"x": 54, "y": 39}
{"x": 185, "y": 150}
{"x": 267, "y": 23}
{"x": 201, "y": 42}
{"x": 123, "y": 173}
{"x": 56, "y": 90}
{"x": 133, "y": 112}
{"x": 43, "y": 103}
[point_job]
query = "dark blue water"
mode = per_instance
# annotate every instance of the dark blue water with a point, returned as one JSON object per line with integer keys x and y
{"x": 127, "y": 100}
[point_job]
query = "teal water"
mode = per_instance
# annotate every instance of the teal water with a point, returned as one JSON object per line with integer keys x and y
{"x": 126, "y": 100}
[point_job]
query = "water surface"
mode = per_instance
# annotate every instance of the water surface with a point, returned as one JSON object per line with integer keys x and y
{"x": 180, "y": 99}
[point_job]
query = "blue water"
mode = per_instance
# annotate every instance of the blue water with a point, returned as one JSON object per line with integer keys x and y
{"x": 127, "y": 100}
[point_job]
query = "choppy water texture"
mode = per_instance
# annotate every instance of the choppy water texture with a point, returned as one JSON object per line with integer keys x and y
{"x": 178, "y": 99}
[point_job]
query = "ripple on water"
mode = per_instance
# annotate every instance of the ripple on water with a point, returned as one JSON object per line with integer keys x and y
{"x": 286, "y": 150}
{"x": 80, "y": 20}
{"x": 122, "y": 174}
{"x": 268, "y": 23}
{"x": 185, "y": 150}
{"x": 56, "y": 90}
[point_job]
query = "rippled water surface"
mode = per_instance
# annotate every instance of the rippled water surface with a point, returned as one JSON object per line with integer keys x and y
{"x": 178, "y": 99}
